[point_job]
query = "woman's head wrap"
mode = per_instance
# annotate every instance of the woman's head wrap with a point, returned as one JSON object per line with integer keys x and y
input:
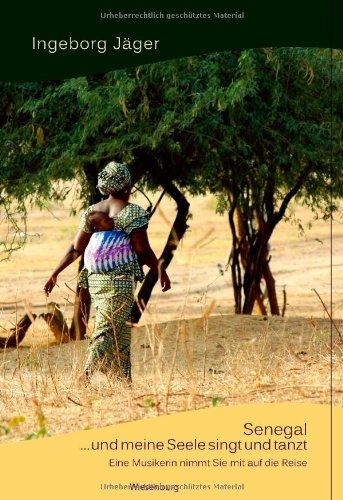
{"x": 113, "y": 178}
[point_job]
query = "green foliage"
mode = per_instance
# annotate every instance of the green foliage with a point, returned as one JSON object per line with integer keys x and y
{"x": 246, "y": 122}
{"x": 40, "y": 433}
{"x": 4, "y": 430}
{"x": 16, "y": 421}
{"x": 11, "y": 424}
{"x": 215, "y": 401}
{"x": 149, "y": 403}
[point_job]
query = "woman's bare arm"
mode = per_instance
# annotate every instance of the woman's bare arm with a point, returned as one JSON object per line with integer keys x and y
{"x": 146, "y": 255}
{"x": 74, "y": 251}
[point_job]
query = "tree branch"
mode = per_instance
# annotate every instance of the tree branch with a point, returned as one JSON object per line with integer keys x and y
{"x": 177, "y": 231}
{"x": 295, "y": 189}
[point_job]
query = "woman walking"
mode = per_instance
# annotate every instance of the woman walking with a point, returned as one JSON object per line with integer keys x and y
{"x": 113, "y": 238}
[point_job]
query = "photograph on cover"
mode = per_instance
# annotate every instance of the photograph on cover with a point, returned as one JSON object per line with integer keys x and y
{"x": 166, "y": 239}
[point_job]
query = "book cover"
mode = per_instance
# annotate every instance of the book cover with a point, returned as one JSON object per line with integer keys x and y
{"x": 170, "y": 245}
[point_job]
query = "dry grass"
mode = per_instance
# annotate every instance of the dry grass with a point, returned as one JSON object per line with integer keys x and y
{"x": 191, "y": 351}
{"x": 177, "y": 366}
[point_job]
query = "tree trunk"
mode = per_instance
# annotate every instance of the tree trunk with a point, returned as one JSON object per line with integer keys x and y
{"x": 239, "y": 258}
{"x": 249, "y": 259}
{"x": 257, "y": 255}
{"x": 176, "y": 233}
{"x": 260, "y": 306}
{"x": 270, "y": 284}
{"x": 257, "y": 265}
{"x": 55, "y": 320}
{"x": 18, "y": 332}
{"x": 82, "y": 306}
{"x": 235, "y": 256}
{"x": 252, "y": 280}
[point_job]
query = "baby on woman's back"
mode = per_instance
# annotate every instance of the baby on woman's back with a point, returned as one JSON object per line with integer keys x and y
{"x": 100, "y": 221}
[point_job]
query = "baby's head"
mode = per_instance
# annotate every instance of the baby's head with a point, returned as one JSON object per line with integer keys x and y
{"x": 100, "y": 221}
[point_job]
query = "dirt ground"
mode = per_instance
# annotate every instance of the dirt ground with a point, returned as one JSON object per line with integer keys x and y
{"x": 300, "y": 263}
{"x": 190, "y": 350}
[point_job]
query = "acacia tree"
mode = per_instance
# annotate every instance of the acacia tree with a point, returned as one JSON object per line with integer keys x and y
{"x": 286, "y": 125}
{"x": 251, "y": 126}
{"x": 260, "y": 128}
{"x": 58, "y": 131}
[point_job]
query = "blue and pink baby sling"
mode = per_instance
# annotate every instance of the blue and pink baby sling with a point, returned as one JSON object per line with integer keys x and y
{"x": 108, "y": 250}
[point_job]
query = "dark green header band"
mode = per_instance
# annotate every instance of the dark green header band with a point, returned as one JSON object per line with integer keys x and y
{"x": 45, "y": 41}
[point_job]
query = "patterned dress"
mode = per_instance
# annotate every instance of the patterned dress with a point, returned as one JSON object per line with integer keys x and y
{"x": 110, "y": 273}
